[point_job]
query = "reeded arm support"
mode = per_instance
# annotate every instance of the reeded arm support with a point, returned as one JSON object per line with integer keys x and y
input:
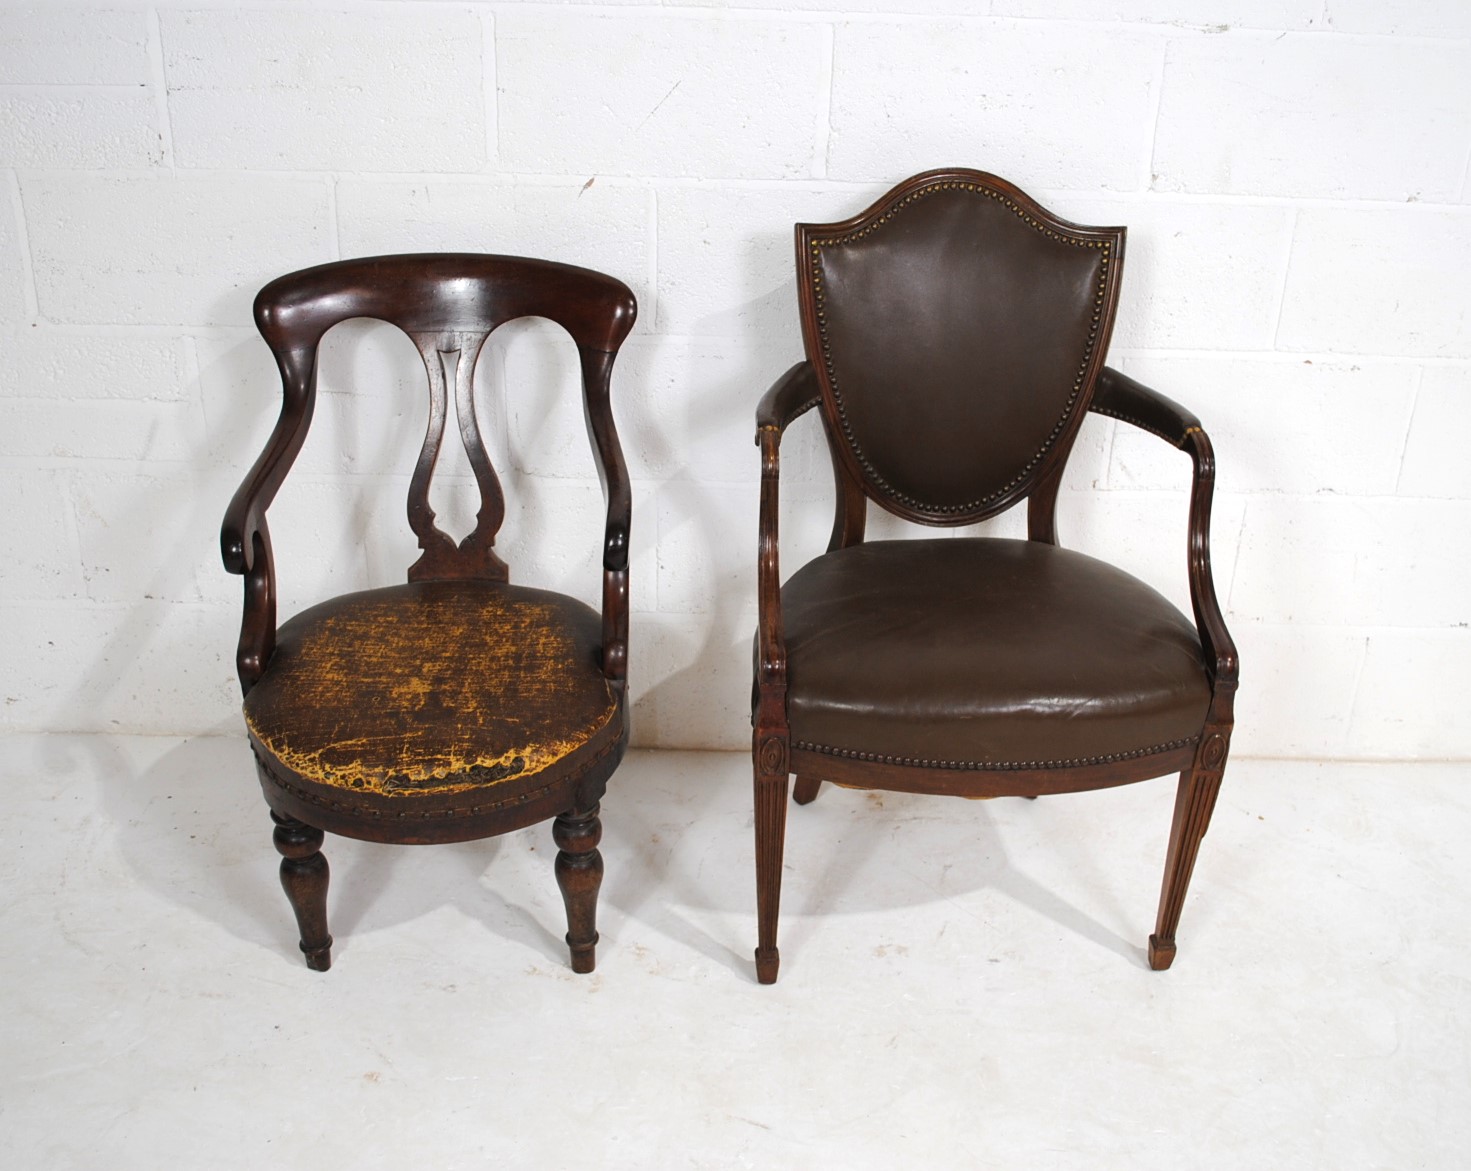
{"x": 1120, "y": 397}
{"x": 793, "y": 394}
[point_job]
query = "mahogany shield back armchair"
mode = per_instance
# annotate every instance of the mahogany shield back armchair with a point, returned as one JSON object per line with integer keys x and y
{"x": 955, "y": 336}
{"x": 456, "y": 706}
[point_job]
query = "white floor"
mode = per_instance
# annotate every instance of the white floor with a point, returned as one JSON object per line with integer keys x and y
{"x": 963, "y": 984}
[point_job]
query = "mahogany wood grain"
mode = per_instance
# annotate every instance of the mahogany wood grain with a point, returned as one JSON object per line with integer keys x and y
{"x": 1199, "y": 758}
{"x": 341, "y": 699}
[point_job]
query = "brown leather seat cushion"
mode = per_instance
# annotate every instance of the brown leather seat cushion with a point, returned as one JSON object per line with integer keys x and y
{"x": 433, "y": 688}
{"x": 977, "y": 652}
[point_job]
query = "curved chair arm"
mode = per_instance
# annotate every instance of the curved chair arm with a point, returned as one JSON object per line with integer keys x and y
{"x": 245, "y": 541}
{"x": 794, "y": 393}
{"x": 1120, "y": 397}
{"x": 597, "y": 372}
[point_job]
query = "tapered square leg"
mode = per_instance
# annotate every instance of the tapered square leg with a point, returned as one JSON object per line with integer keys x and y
{"x": 304, "y": 876}
{"x": 804, "y": 792}
{"x": 1195, "y": 801}
{"x": 771, "y": 824}
{"x": 579, "y": 870}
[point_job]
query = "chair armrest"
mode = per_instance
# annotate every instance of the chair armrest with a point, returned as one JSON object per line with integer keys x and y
{"x": 245, "y": 541}
{"x": 1215, "y": 639}
{"x": 790, "y": 396}
{"x": 597, "y": 375}
{"x": 1122, "y": 398}
{"x": 794, "y": 393}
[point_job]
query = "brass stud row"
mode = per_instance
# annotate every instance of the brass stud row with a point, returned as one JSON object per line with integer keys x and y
{"x": 991, "y": 765}
{"x": 821, "y": 314}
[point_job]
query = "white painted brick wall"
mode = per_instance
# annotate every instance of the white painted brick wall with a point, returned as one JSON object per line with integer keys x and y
{"x": 1379, "y": 281}
{"x": 167, "y": 250}
{"x": 1293, "y": 174}
{"x": 604, "y": 226}
{"x": 1417, "y": 18}
{"x": 40, "y": 45}
{"x": 1315, "y": 116}
{"x": 83, "y": 130}
{"x": 660, "y": 95}
{"x": 1196, "y": 276}
{"x": 369, "y": 89}
{"x": 1434, "y": 464}
{"x": 1031, "y": 98}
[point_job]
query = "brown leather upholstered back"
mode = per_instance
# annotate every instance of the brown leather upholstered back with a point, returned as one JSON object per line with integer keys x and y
{"x": 957, "y": 329}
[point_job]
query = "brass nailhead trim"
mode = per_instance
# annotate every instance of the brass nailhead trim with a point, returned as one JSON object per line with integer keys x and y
{"x": 992, "y": 765}
{"x": 821, "y": 312}
{"x": 801, "y": 410}
{"x": 1170, "y": 439}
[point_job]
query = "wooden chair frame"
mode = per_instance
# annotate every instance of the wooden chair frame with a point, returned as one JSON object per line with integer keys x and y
{"x": 776, "y": 758}
{"x": 448, "y": 304}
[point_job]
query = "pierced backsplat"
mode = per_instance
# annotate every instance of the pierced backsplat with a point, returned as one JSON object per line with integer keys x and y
{"x": 450, "y": 358}
{"x": 456, "y": 706}
{"x": 448, "y": 303}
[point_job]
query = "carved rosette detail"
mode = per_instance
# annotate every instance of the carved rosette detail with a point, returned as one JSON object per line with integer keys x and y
{"x": 1213, "y": 752}
{"x": 773, "y": 756}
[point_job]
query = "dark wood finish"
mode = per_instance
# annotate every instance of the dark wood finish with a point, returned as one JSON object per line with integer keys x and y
{"x": 449, "y": 359}
{"x": 304, "y": 876}
{"x": 458, "y": 706}
{"x": 579, "y": 869}
{"x": 806, "y": 788}
{"x": 1195, "y": 801}
{"x": 1199, "y": 759}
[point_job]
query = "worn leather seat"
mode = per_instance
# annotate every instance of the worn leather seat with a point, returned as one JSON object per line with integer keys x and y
{"x": 956, "y": 334}
{"x": 456, "y": 707}
{"x": 986, "y": 653}
{"x": 398, "y": 696}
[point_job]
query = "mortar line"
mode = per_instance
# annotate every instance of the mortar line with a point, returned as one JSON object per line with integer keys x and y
{"x": 160, "y": 83}
{"x": 23, "y": 246}
{"x": 488, "y": 97}
{"x": 332, "y": 222}
{"x": 860, "y": 186}
{"x": 651, "y": 211}
{"x": 1281, "y": 303}
{"x": 1356, "y": 693}
{"x": 64, "y": 88}
{"x": 826, "y": 72}
{"x": 1409, "y": 428}
{"x": 1158, "y": 101}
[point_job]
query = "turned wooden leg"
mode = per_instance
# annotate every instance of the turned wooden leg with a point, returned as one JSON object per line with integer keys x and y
{"x": 579, "y": 874}
{"x": 304, "y": 879}
{"x": 771, "y": 823}
{"x": 1194, "y": 802}
{"x": 804, "y": 792}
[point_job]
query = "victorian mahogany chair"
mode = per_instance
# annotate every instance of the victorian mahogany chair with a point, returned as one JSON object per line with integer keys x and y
{"x": 456, "y": 706}
{"x": 955, "y": 334}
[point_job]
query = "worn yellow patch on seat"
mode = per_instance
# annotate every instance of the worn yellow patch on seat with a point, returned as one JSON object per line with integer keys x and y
{"x": 438, "y": 687}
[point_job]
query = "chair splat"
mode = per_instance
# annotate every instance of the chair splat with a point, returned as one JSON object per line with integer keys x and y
{"x": 449, "y": 357}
